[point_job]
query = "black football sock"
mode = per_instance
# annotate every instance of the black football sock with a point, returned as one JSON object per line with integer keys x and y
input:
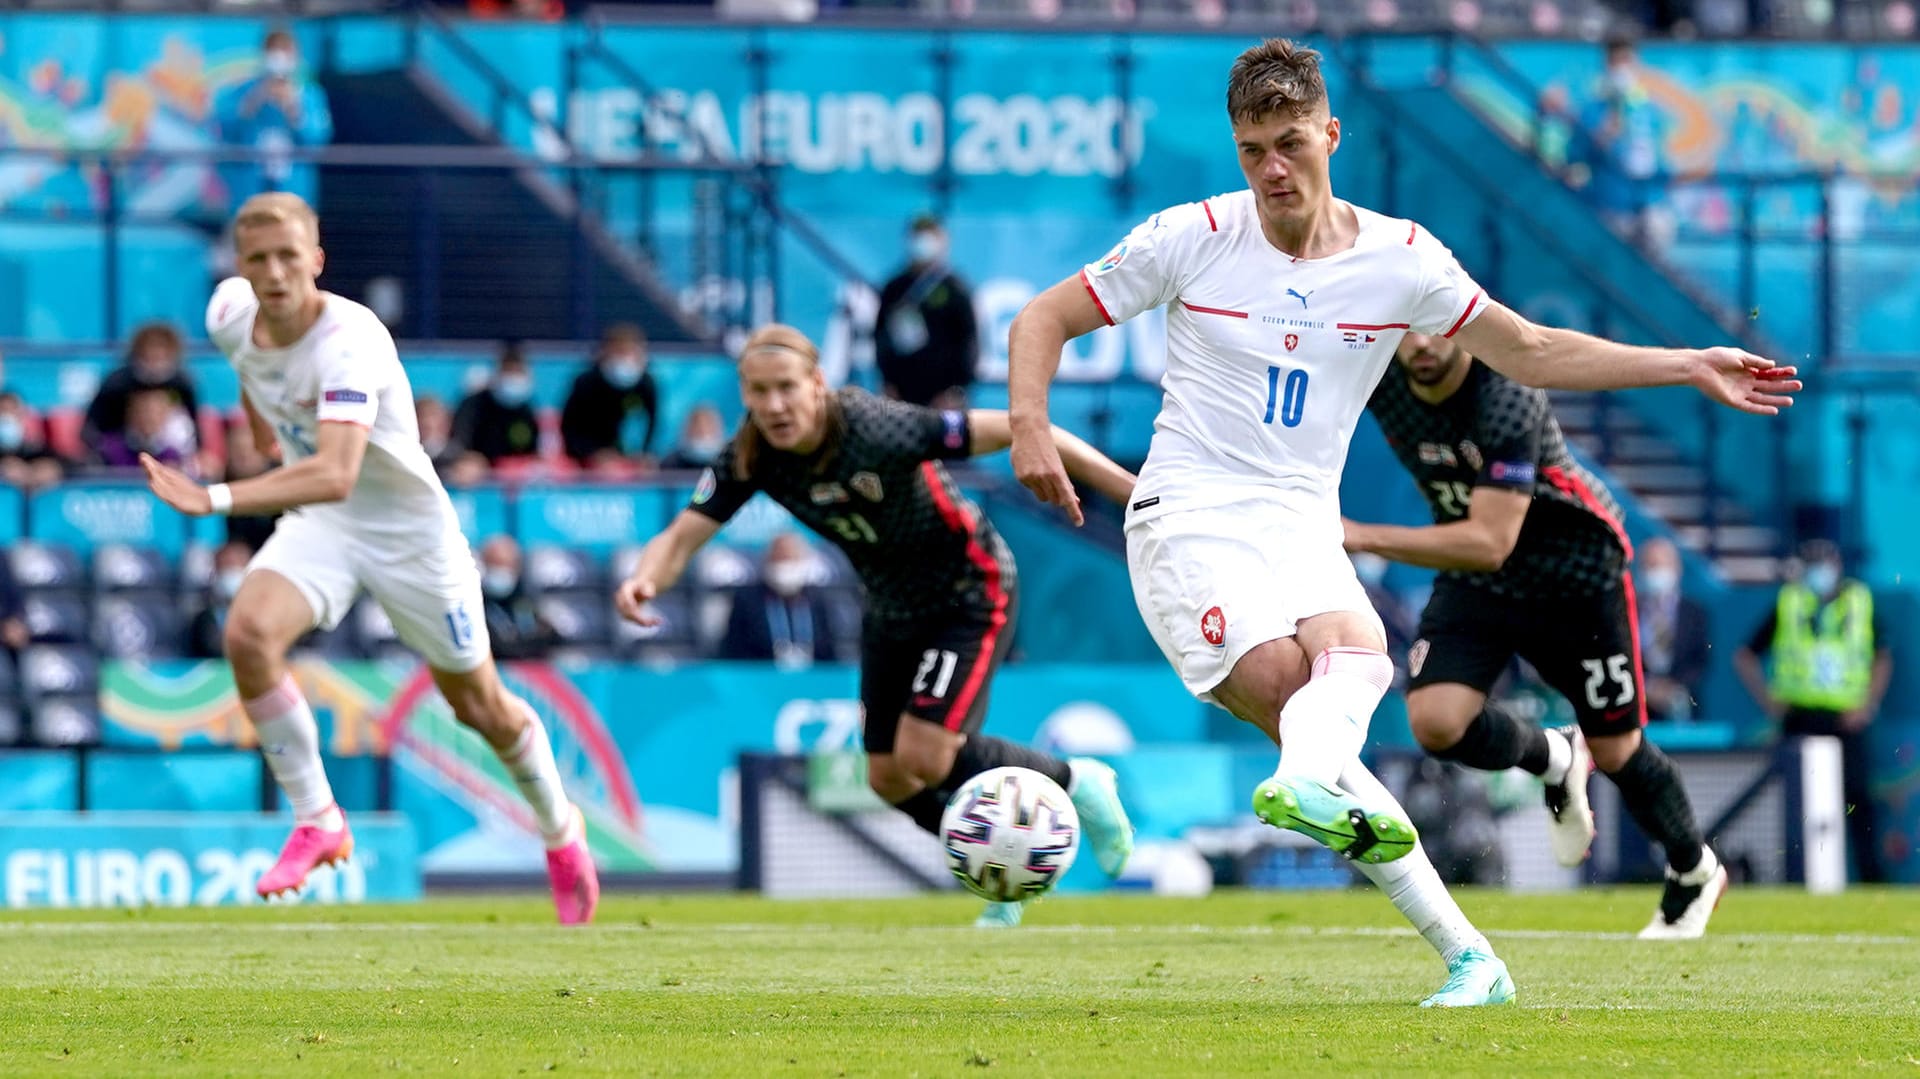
{"x": 1651, "y": 790}
{"x": 984, "y": 752}
{"x": 925, "y": 807}
{"x": 1497, "y": 740}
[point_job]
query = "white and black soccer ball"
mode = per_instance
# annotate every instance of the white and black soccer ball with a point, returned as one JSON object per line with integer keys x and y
{"x": 1010, "y": 833}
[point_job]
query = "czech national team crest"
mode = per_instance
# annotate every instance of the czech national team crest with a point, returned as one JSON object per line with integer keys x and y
{"x": 1293, "y": 341}
{"x": 1213, "y": 626}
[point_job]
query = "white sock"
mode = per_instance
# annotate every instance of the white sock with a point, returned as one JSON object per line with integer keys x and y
{"x": 1559, "y": 758}
{"x": 1325, "y": 723}
{"x": 530, "y": 762}
{"x": 1411, "y": 883}
{"x": 290, "y": 741}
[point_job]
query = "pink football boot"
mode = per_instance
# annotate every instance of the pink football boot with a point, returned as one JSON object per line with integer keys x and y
{"x": 307, "y": 849}
{"x": 576, "y": 883}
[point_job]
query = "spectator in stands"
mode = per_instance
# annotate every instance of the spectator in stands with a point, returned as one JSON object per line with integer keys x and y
{"x": 925, "y": 338}
{"x": 1623, "y": 152}
{"x": 1673, "y": 634}
{"x": 278, "y": 110}
{"x": 156, "y": 425}
{"x": 153, "y": 361}
{"x": 456, "y": 464}
{"x": 609, "y": 417}
{"x": 522, "y": 10}
{"x": 244, "y": 460}
{"x": 25, "y": 460}
{"x": 206, "y": 633}
{"x": 517, "y": 630}
{"x": 783, "y": 618}
{"x": 1829, "y": 661}
{"x": 497, "y": 421}
{"x": 702, "y": 437}
{"x": 14, "y": 634}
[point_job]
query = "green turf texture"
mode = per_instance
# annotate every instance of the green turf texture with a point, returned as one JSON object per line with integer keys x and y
{"x": 1311, "y": 983}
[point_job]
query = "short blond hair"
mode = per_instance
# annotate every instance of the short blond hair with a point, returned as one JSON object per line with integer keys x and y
{"x": 276, "y": 208}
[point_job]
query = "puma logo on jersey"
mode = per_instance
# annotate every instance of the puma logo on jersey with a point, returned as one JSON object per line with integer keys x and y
{"x": 1301, "y": 296}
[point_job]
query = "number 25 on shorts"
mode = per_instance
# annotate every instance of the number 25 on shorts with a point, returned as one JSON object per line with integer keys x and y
{"x": 1288, "y": 396}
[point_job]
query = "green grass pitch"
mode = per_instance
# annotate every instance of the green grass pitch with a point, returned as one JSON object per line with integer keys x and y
{"x": 1319, "y": 983}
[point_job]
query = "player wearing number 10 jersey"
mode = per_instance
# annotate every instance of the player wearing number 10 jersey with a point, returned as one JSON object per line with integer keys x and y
{"x": 867, "y": 474}
{"x": 1284, "y": 306}
{"x": 1533, "y": 563}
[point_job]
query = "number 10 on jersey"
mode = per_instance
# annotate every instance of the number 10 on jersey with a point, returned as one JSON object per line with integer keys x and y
{"x": 1286, "y": 394}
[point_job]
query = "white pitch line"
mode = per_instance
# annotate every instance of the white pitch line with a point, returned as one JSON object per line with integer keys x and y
{"x": 819, "y": 928}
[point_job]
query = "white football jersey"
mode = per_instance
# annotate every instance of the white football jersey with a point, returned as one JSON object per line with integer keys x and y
{"x": 344, "y": 370}
{"x": 1270, "y": 359}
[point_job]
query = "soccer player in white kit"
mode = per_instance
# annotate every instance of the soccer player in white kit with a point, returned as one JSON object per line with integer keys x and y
{"x": 1284, "y": 306}
{"x": 320, "y": 377}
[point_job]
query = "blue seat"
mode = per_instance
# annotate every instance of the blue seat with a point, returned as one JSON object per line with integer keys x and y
{"x": 58, "y": 670}
{"x": 67, "y": 720}
{"x": 553, "y": 568}
{"x": 138, "y": 625}
{"x": 49, "y": 567}
{"x": 12, "y": 726}
{"x": 579, "y": 618}
{"x": 679, "y": 637}
{"x": 123, "y": 567}
{"x": 55, "y": 617}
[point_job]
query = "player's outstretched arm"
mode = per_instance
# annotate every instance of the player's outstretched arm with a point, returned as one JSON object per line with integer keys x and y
{"x": 661, "y": 563}
{"x": 1559, "y": 359}
{"x": 992, "y": 431}
{"x": 327, "y": 476}
{"x": 1040, "y": 331}
{"x": 1480, "y": 543}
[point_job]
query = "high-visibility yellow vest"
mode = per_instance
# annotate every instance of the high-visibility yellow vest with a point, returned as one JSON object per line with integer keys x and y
{"x": 1823, "y": 656}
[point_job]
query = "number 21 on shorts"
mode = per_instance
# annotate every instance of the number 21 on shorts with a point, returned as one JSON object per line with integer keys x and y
{"x": 1286, "y": 396}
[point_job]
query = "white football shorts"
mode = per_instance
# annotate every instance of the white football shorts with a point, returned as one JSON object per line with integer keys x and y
{"x": 430, "y": 590}
{"x": 1214, "y": 583}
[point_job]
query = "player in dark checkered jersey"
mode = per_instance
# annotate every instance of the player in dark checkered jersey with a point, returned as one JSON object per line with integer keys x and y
{"x": 1532, "y": 562}
{"x": 865, "y": 473}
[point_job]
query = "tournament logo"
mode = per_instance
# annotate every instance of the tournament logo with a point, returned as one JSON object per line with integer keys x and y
{"x": 1512, "y": 471}
{"x": 1417, "y": 657}
{"x": 1113, "y": 260}
{"x": 1293, "y": 341}
{"x": 954, "y": 431}
{"x": 1213, "y": 626}
{"x": 866, "y": 485}
{"x": 705, "y": 488}
{"x": 345, "y": 397}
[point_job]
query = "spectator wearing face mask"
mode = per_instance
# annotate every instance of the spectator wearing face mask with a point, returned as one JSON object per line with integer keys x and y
{"x": 24, "y": 461}
{"x": 156, "y": 426}
{"x": 244, "y": 461}
{"x": 517, "y": 631}
{"x": 455, "y": 463}
{"x": 1827, "y": 665}
{"x": 783, "y": 618}
{"x": 702, "y": 438}
{"x": 925, "y": 336}
{"x": 154, "y": 361}
{"x": 1674, "y": 638}
{"x": 278, "y": 110}
{"x": 206, "y": 634}
{"x": 609, "y": 416}
{"x": 497, "y": 421}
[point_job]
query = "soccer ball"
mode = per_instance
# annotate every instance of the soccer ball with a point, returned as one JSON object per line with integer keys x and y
{"x": 1010, "y": 833}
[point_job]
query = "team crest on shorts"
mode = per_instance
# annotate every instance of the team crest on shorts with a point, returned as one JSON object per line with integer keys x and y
{"x": 1213, "y": 626}
{"x": 866, "y": 485}
{"x": 1293, "y": 341}
{"x": 1417, "y": 657}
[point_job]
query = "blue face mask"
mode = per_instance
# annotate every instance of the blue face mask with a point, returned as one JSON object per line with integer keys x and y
{"x": 12, "y": 432}
{"x": 1823, "y": 578}
{"x": 513, "y": 390}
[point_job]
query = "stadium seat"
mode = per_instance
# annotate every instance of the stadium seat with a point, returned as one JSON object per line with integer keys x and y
{"x": 9, "y": 677}
{"x": 64, "y": 433}
{"x": 56, "y": 617}
{"x": 552, "y": 568}
{"x": 11, "y": 727}
{"x": 579, "y": 618}
{"x": 678, "y": 637}
{"x": 68, "y": 720}
{"x": 720, "y": 566}
{"x": 137, "y": 625}
{"x": 120, "y": 567}
{"x": 58, "y": 670}
{"x": 46, "y": 566}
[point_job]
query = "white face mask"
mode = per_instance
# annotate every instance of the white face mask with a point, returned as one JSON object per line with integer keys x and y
{"x": 787, "y": 578}
{"x": 226, "y": 583}
{"x": 705, "y": 449}
{"x": 498, "y": 582}
{"x": 279, "y": 62}
{"x": 1660, "y": 581}
{"x": 927, "y": 247}
{"x": 1823, "y": 578}
{"x": 12, "y": 432}
{"x": 623, "y": 373}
